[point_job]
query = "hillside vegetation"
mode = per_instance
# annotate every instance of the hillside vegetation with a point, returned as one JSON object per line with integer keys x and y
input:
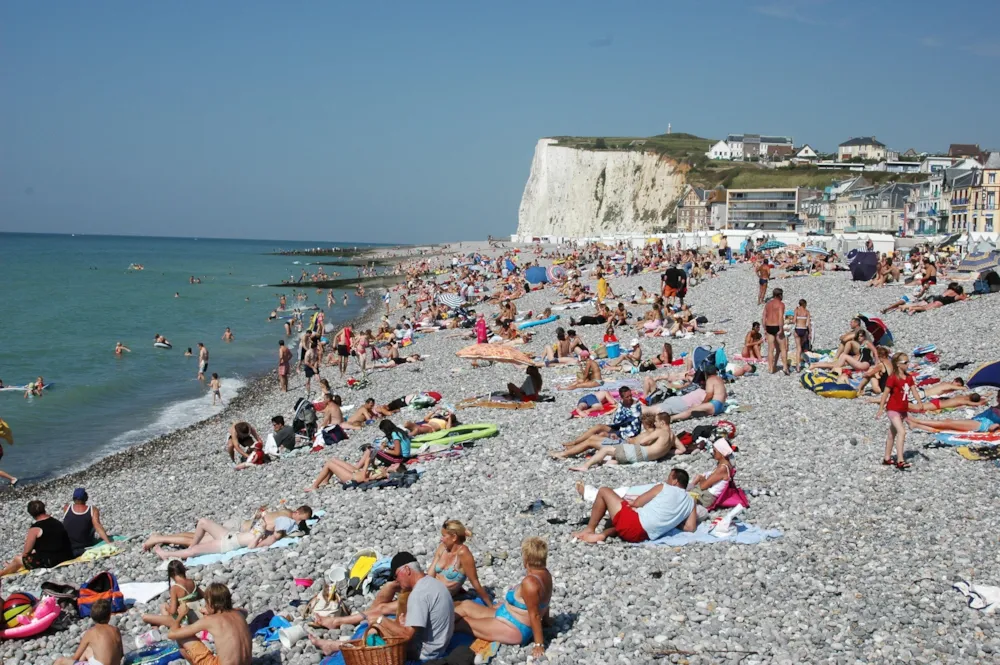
{"x": 690, "y": 151}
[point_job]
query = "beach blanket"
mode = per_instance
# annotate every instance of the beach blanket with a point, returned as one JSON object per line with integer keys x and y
{"x": 485, "y": 651}
{"x": 209, "y": 559}
{"x": 979, "y": 453}
{"x": 141, "y": 593}
{"x": 747, "y": 534}
{"x": 91, "y": 554}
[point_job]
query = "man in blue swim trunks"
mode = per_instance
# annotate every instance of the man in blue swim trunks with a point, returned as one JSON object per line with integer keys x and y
{"x": 714, "y": 402}
{"x": 987, "y": 421}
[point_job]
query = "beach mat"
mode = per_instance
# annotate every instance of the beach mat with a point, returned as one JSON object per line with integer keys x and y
{"x": 747, "y": 534}
{"x": 979, "y": 453}
{"x": 91, "y": 554}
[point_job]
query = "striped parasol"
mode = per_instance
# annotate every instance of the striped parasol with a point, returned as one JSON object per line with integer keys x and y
{"x": 452, "y": 300}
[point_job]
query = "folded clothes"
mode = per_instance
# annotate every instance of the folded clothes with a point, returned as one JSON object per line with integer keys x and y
{"x": 747, "y": 534}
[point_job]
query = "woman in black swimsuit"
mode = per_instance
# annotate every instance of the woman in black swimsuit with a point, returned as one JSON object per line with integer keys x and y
{"x": 880, "y": 372}
{"x": 860, "y": 354}
{"x": 952, "y": 294}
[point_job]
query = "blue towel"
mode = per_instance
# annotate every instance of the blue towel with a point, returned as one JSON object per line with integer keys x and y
{"x": 747, "y": 534}
{"x": 270, "y": 633}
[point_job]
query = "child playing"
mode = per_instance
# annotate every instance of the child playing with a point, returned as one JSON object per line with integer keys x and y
{"x": 182, "y": 592}
{"x": 102, "y": 644}
{"x": 894, "y": 403}
{"x": 256, "y": 457}
{"x": 216, "y": 387}
{"x": 752, "y": 342}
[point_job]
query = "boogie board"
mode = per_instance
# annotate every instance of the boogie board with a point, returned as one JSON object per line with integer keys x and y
{"x": 454, "y": 435}
{"x": 539, "y": 322}
{"x": 21, "y": 389}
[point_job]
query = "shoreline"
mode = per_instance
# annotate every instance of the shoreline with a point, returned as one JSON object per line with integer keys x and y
{"x": 255, "y": 390}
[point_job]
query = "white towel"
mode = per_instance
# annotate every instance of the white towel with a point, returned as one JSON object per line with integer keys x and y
{"x": 142, "y": 592}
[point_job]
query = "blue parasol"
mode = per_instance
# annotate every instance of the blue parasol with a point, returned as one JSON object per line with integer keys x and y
{"x": 986, "y": 375}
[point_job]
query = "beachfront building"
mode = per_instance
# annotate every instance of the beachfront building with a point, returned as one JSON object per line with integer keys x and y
{"x": 692, "y": 209}
{"x": 721, "y": 150}
{"x": 835, "y": 211}
{"x": 812, "y": 212}
{"x": 764, "y": 209}
{"x": 717, "y": 210}
{"x": 962, "y": 183}
{"x": 806, "y": 153}
{"x": 986, "y": 196}
{"x": 884, "y": 208}
{"x": 927, "y": 207}
{"x": 863, "y": 147}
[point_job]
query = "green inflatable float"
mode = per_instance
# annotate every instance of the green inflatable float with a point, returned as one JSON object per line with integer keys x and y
{"x": 459, "y": 434}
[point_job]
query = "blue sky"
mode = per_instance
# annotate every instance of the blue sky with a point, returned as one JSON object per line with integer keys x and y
{"x": 416, "y": 121}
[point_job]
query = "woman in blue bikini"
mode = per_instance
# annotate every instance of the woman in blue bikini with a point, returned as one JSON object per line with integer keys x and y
{"x": 453, "y": 562}
{"x": 519, "y": 618}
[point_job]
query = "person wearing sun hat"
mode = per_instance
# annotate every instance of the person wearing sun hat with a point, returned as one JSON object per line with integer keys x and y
{"x": 706, "y": 488}
{"x": 83, "y": 522}
{"x": 631, "y": 359}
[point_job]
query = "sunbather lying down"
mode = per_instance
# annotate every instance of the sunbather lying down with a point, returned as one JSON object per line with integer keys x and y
{"x": 439, "y": 419}
{"x": 265, "y": 529}
{"x": 987, "y": 421}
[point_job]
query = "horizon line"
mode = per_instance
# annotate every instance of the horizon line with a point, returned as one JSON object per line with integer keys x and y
{"x": 185, "y": 237}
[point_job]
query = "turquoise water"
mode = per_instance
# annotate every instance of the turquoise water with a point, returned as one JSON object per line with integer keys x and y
{"x": 66, "y": 301}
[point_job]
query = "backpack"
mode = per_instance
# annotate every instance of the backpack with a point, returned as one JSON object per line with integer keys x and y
{"x": 102, "y": 586}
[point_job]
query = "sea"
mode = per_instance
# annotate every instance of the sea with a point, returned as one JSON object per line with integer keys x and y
{"x": 65, "y": 300}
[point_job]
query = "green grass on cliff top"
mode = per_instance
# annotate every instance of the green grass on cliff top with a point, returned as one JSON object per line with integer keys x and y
{"x": 709, "y": 173}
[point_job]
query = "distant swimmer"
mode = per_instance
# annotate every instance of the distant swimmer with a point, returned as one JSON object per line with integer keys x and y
{"x": 119, "y": 347}
{"x": 330, "y": 299}
{"x": 160, "y": 340}
{"x": 345, "y": 299}
{"x": 282, "y": 301}
{"x": 227, "y": 336}
{"x": 177, "y": 294}
{"x": 35, "y": 388}
{"x": 202, "y": 361}
{"x": 188, "y": 352}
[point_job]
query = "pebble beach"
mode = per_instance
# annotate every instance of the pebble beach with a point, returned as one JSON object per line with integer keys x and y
{"x": 862, "y": 573}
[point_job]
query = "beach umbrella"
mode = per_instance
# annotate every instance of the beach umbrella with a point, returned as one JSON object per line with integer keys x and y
{"x": 497, "y": 353}
{"x": 878, "y": 329}
{"x": 980, "y": 262}
{"x": 950, "y": 240}
{"x": 556, "y": 273}
{"x": 536, "y": 275}
{"x": 771, "y": 244}
{"x": 985, "y": 375}
{"x": 817, "y": 250}
{"x": 452, "y": 300}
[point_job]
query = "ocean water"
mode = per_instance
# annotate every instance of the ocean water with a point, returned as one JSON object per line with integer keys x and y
{"x": 66, "y": 300}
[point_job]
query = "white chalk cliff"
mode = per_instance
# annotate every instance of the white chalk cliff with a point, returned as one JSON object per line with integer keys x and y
{"x": 578, "y": 193}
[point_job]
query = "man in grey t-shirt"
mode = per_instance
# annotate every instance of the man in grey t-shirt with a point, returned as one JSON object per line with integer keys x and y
{"x": 430, "y": 611}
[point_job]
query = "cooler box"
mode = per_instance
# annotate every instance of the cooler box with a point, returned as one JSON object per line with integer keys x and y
{"x": 614, "y": 350}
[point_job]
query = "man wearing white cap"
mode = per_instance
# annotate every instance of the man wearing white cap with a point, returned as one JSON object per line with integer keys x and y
{"x": 631, "y": 359}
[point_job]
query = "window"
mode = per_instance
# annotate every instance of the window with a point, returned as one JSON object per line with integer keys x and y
{"x": 993, "y": 178}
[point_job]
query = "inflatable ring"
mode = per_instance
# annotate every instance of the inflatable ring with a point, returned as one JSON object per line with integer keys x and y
{"x": 159, "y": 653}
{"x": 41, "y": 618}
{"x": 458, "y": 434}
{"x": 161, "y": 345}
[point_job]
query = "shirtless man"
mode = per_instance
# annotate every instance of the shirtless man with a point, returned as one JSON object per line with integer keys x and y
{"x": 361, "y": 415}
{"x": 284, "y": 365}
{"x": 714, "y": 402}
{"x": 119, "y": 348}
{"x": 100, "y": 644}
{"x": 763, "y": 275}
{"x": 332, "y": 415}
{"x": 227, "y": 336}
{"x": 956, "y": 384}
{"x": 655, "y": 442}
{"x": 228, "y": 628}
{"x": 848, "y": 336}
{"x": 774, "y": 320}
{"x": 202, "y": 361}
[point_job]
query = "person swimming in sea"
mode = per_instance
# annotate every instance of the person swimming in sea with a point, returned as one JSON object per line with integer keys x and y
{"x": 119, "y": 347}
{"x": 160, "y": 339}
{"x": 345, "y": 298}
{"x": 189, "y": 352}
{"x": 227, "y": 336}
{"x": 35, "y": 388}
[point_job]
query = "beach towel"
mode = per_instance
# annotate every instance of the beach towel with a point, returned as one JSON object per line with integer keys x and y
{"x": 91, "y": 554}
{"x": 747, "y": 534}
{"x": 209, "y": 559}
{"x": 140, "y": 593}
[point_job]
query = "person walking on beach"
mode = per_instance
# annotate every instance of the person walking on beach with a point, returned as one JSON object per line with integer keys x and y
{"x": 310, "y": 364}
{"x": 774, "y": 321}
{"x": 895, "y": 405}
{"x": 763, "y": 275}
{"x": 215, "y": 385}
{"x": 284, "y": 365}
{"x": 202, "y": 361}
{"x": 119, "y": 348}
{"x": 343, "y": 343}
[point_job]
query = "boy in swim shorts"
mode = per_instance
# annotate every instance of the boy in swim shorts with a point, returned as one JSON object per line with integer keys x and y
{"x": 101, "y": 644}
{"x": 228, "y": 628}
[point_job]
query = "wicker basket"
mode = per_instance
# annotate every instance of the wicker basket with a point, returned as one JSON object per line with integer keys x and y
{"x": 392, "y": 653}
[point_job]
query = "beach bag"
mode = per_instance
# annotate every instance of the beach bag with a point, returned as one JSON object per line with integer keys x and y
{"x": 370, "y": 651}
{"x": 600, "y": 351}
{"x": 103, "y": 586}
{"x": 335, "y": 434}
{"x": 326, "y": 603}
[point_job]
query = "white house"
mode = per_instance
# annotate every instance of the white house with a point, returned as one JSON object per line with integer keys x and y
{"x": 720, "y": 150}
{"x": 933, "y": 164}
{"x": 806, "y": 152}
